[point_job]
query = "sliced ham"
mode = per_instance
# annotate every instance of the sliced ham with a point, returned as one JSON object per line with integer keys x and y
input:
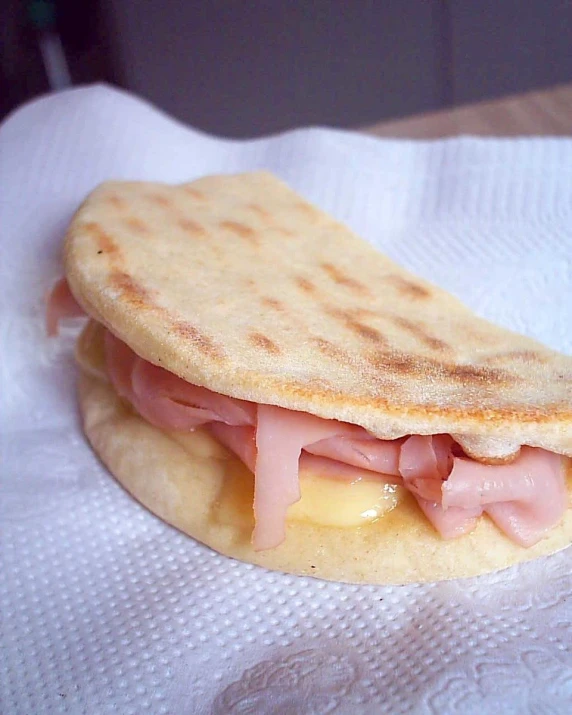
{"x": 471, "y": 483}
{"x": 280, "y": 437}
{"x": 361, "y": 450}
{"x": 527, "y": 522}
{"x": 525, "y": 498}
{"x": 341, "y": 471}
{"x": 424, "y": 463}
{"x": 61, "y": 304}
{"x": 451, "y": 522}
{"x": 240, "y": 440}
{"x": 167, "y": 401}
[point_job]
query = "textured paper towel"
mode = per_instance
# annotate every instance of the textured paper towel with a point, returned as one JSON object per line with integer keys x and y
{"x": 105, "y": 609}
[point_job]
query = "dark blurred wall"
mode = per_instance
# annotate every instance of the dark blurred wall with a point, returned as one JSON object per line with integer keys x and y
{"x": 258, "y": 66}
{"x": 249, "y": 67}
{"x": 504, "y": 46}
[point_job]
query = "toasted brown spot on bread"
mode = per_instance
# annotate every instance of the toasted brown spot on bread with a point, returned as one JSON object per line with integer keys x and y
{"x": 194, "y": 193}
{"x": 409, "y": 289}
{"x": 475, "y": 373}
{"x": 397, "y": 362}
{"x": 116, "y": 201}
{"x": 272, "y": 303}
{"x": 130, "y": 290}
{"x": 330, "y": 349}
{"x": 419, "y": 332}
{"x": 202, "y": 342}
{"x": 361, "y": 313}
{"x": 284, "y": 232}
{"x": 160, "y": 200}
{"x": 239, "y": 229}
{"x": 320, "y": 384}
{"x": 192, "y": 227}
{"x": 309, "y": 387}
{"x": 306, "y": 285}
{"x": 436, "y": 344}
{"x": 348, "y": 318}
{"x": 309, "y": 211}
{"x": 407, "y": 364}
{"x": 103, "y": 240}
{"x": 136, "y": 225}
{"x": 261, "y": 341}
{"x": 259, "y": 211}
{"x": 339, "y": 277}
{"x": 366, "y": 331}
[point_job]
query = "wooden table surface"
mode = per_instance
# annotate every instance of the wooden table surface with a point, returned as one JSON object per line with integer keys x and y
{"x": 547, "y": 112}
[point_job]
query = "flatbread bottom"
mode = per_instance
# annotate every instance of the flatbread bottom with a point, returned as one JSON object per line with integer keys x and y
{"x": 191, "y": 482}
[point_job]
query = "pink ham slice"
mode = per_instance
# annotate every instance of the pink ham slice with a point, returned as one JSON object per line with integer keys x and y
{"x": 240, "y": 440}
{"x": 451, "y": 522}
{"x": 280, "y": 437}
{"x": 165, "y": 400}
{"x": 61, "y": 304}
{"x": 525, "y": 498}
{"x": 424, "y": 462}
{"x": 360, "y": 450}
{"x": 341, "y": 471}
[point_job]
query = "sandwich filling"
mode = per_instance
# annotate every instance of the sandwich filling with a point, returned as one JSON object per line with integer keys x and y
{"x": 524, "y": 498}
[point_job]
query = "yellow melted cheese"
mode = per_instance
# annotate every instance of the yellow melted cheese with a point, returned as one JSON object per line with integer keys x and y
{"x": 330, "y": 502}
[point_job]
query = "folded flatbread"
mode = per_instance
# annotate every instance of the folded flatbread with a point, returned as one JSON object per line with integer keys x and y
{"x": 245, "y": 349}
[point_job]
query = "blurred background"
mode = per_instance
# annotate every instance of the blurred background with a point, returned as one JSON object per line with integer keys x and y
{"x": 249, "y": 67}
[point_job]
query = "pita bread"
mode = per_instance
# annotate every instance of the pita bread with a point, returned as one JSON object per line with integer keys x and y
{"x": 238, "y": 284}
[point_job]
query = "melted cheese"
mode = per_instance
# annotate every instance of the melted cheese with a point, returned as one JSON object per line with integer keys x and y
{"x": 330, "y": 502}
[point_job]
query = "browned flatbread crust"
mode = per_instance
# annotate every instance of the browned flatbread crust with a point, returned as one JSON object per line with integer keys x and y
{"x": 238, "y": 284}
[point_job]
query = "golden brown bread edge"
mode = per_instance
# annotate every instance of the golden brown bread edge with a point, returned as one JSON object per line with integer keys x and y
{"x": 238, "y": 284}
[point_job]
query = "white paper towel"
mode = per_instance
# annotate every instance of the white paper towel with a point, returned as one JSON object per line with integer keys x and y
{"x": 107, "y": 610}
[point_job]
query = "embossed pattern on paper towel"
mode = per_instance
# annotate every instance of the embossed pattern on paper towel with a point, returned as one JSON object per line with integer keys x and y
{"x": 310, "y": 681}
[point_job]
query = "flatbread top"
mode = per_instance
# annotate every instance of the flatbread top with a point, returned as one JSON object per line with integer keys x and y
{"x": 238, "y": 284}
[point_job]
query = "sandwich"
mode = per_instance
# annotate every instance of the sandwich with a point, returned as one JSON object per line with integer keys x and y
{"x": 270, "y": 384}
